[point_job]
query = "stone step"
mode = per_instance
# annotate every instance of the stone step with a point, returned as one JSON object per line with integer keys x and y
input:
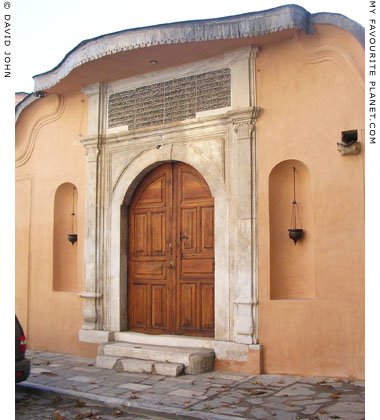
{"x": 165, "y": 340}
{"x": 194, "y": 360}
{"x": 139, "y": 366}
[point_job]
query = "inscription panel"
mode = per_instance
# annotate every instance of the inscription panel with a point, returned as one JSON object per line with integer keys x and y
{"x": 170, "y": 101}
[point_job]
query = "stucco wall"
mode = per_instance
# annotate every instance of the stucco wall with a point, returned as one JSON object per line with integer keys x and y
{"x": 49, "y": 154}
{"x": 312, "y": 89}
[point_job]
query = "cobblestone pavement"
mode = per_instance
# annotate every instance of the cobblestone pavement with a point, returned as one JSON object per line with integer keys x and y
{"x": 32, "y": 405}
{"x": 213, "y": 395}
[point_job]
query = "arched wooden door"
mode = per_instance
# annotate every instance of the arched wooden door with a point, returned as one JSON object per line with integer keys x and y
{"x": 171, "y": 253}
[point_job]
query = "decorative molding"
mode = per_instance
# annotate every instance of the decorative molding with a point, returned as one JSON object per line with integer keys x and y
{"x": 245, "y": 301}
{"x": 243, "y": 130}
{"x": 173, "y": 100}
{"x": 315, "y": 54}
{"x": 28, "y": 100}
{"x": 53, "y": 113}
{"x": 92, "y": 154}
{"x": 231, "y": 27}
{"x": 341, "y": 21}
{"x": 90, "y": 295}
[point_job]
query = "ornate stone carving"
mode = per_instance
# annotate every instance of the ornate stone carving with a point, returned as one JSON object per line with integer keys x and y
{"x": 92, "y": 154}
{"x": 170, "y": 101}
{"x": 243, "y": 130}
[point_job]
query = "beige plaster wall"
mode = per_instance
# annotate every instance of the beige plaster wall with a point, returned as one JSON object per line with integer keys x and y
{"x": 48, "y": 154}
{"x": 312, "y": 89}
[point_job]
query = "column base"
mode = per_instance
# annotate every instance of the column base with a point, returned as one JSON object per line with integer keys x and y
{"x": 95, "y": 336}
{"x": 253, "y": 366}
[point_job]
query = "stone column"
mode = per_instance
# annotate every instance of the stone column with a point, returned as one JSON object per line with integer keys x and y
{"x": 93, "y": 143}
{"x": 245, "y": 285}
{"x": 90, "y": 293}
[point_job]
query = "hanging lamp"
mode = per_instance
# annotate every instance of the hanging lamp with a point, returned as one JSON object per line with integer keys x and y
{"x": 72, "y": 236}
{"x": 295, "y": 233}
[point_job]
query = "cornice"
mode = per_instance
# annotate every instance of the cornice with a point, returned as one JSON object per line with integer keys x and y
{"x": 342, "y": 22}
{"x": 158, "y": 132}
{"x": 231, "y": 27}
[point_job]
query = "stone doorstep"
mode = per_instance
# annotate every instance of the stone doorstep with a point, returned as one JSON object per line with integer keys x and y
{"x": 168, "y": 369}
{"x": 139, "y": 366}
{"x": 195, "y": 360}
{"x": 125, "y": 356}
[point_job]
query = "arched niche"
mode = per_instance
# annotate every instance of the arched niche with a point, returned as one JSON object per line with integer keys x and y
{"x": 65, "y": 277}
{"x": 292, "y": 271}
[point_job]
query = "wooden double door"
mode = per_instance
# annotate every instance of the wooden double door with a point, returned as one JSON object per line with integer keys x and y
{"x": 171, "y": 253}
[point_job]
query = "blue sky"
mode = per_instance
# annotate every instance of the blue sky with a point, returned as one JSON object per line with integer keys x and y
{"x": 44, "y": 31}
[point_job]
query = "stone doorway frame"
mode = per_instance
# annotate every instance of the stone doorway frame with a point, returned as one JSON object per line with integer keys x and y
{"x": 114, "y": 169}
{"x": 121, "y": 199}
{"x": 221, "y": 146}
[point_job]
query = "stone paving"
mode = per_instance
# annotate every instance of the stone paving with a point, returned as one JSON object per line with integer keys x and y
{"x": 32, "y": 405}
{"x": 213, "y": 395}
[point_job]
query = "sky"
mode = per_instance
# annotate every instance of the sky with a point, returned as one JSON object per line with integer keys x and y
{"x": 44, "y": 31}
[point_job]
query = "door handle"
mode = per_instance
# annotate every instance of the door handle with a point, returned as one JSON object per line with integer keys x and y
{"x": 182, "y": 236}
{"x": 170, "y": 265}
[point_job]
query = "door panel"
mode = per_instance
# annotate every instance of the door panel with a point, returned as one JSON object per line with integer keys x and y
{"x": 139, "y": 311}
{"x": 159, "y": 308}
{"x": 187, "y": 314}
{"x": 158, "y": 233}
{"x": 207, "y": 302}
{"x": 171, "y": 253}
{"x": 140, "y": 238}
{"x": 189, "y": 229}
{"x": 207, "y": 229}
{"x": 150, "y": 269}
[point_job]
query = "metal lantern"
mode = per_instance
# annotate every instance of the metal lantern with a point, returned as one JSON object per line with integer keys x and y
{"x": 72, "y": 236}
{"x": 295, "y": 233}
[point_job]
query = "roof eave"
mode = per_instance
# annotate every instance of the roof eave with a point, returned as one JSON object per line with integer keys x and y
{"x": 240, "y": 26}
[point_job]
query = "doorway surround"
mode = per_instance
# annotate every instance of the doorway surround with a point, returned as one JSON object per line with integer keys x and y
{"x": 221, "y": 147}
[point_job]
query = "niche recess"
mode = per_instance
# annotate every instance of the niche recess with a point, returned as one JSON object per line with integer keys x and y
{"x": 292, "y": 274}
{"x": 64, "y": 253}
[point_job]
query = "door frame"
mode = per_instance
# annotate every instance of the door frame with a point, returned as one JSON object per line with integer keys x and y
{"x": 122, "y": 194}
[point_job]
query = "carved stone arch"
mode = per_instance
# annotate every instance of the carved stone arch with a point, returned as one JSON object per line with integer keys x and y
{"x": 146, "y": 161}
{"x": 121, "y": 196}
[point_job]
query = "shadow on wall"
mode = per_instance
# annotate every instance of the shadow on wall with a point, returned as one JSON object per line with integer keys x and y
{"x": 292, "y": 273}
